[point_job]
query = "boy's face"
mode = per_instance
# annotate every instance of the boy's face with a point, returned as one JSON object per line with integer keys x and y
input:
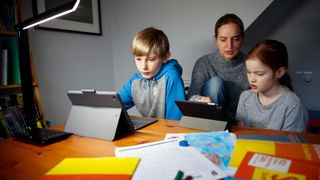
{"x": 149, "y": 65}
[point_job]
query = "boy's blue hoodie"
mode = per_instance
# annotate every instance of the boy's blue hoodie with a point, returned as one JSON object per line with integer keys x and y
{"x": 156, "y": 97}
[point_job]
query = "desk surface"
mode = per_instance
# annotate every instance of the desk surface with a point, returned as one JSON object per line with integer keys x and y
{"x": 24, "y": 161}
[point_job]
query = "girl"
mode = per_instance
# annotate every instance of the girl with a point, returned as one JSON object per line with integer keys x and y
{"x": 271, "y": 102}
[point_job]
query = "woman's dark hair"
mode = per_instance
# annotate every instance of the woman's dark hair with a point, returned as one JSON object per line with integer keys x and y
{"x": 273, "y": 54}
{"x": 228, "y": 18}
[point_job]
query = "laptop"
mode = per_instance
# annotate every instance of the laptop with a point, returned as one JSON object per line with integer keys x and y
{"x": 43, "y": 136}
{"x": 203, "y": 116}
{"x": 100, "y": 114}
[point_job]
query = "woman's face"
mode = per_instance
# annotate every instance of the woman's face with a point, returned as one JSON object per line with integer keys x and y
{"x": 229, "y": 40}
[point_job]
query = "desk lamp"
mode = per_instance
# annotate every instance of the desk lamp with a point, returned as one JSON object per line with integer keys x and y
{"x": 26, "y": 76}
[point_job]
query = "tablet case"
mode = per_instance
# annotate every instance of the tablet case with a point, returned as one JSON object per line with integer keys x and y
{"x": 203, "y": 116}
{"x": 97, "y": 114}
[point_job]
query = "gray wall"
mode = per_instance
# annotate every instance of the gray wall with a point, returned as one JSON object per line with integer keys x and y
{"x": 70, "y": 61}
{"x": 300, "y": 32}
{"x": 66, "y": 61}
{"x": 295, "y": 23}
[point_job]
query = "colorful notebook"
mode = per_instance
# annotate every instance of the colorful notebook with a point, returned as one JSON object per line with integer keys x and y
{"x": 281, "y": 149}
{"x": 262, "y": 166}
{"x": 110, "y": 168}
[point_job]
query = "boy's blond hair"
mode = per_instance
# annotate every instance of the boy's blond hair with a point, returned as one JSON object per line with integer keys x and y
{"x": 150, "y": 40}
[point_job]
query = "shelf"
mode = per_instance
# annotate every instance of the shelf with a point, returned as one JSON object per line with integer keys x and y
{"x": 7, "y": 34}
{"x": 10, "y": 89}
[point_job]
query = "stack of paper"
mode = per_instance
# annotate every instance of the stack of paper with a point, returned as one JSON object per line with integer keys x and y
{"x": 163, "y": 159}
{"x": 93, "y": 168}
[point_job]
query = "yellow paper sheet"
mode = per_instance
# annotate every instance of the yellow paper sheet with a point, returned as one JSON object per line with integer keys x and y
{"x": 243, "y": 146}
{"x": 106, "y": 165}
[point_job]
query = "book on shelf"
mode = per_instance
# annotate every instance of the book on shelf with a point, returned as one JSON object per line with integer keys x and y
{"x": 263, "y": 166}
{"x": 10, "y": 123}
{"x": 12, "y": 115}
{"x": 4, "y": 67}
{"x": 8, "y": 15}
{"x": 280, "y": 149}
{"x": 9, "y": 59}
{"x": 19, "y": 102}
{"x": 13, "y": 121}
{"x": 4, "y": 17}
{"x": 93, "y": 168}
{"x": 13, "y": 73}
{"x": 2, "y": 23}
{"x": 39, "y": 118}
{"x": 9, "y": 62}
{"x": 18, "y": 119}
{"x": 4, "y": 131}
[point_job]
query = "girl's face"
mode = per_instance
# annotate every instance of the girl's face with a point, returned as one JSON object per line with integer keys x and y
{"x": 229, "y": 40}
{"x": 262, "y": 79}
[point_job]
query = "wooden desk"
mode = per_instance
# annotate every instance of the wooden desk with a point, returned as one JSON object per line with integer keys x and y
{"x": 24, "y": 161}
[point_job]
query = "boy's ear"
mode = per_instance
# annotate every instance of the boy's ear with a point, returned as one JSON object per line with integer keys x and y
{"x": 281, "y": 71}
{"x": 166, "y": 57}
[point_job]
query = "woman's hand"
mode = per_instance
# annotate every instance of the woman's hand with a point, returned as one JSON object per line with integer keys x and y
{"x": 205, "y": 99}
{"x": 201, "y": 99}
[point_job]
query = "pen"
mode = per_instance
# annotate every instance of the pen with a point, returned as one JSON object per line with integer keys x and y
{"x": 179, "y": 175}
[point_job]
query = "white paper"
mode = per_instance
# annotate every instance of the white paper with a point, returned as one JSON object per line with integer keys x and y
{"x": 270, "y": 162}
{"x": 163, "y": 159}
{"x": 174, "y": 136}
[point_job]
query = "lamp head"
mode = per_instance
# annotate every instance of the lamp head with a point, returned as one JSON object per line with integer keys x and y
{"x": 49, "y": 15}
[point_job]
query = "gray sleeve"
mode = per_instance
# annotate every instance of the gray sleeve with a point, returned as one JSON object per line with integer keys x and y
{"x": 198, "y": 78}
{"x": 296, "y": 118}
{"x": 240, "y": 114}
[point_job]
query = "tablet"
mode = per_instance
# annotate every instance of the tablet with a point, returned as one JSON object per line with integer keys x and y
{"x": 203, "y": 116}
{"x": 100, "y": 114}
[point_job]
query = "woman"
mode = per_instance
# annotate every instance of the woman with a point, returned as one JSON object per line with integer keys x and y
{"x": 220, "y": 77}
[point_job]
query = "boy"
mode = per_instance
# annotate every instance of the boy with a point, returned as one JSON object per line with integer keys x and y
{"x": 154, "y": 89}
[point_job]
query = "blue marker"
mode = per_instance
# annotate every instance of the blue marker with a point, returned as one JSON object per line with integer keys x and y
{"x": 183, "y": 143}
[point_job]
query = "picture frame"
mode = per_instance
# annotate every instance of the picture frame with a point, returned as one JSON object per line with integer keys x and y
{"x": 86, "y": 19}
